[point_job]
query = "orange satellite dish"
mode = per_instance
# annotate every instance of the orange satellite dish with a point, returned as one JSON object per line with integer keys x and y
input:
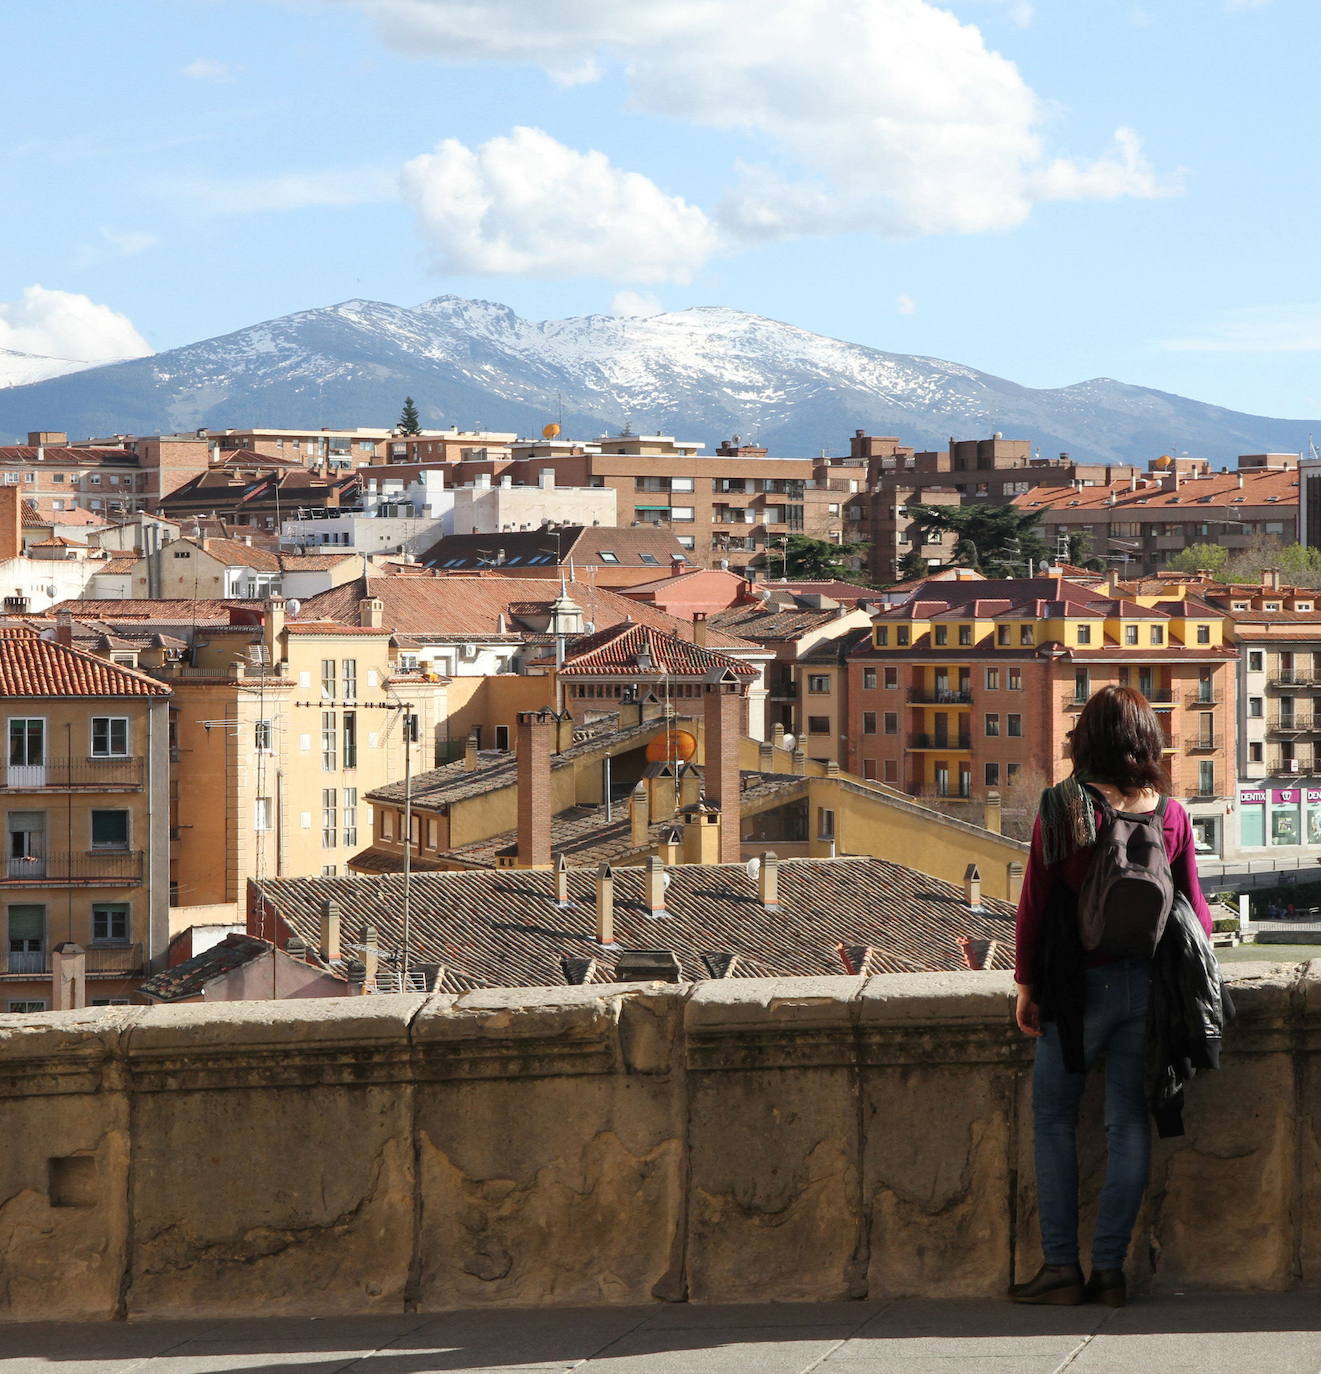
{"x": 1164, "y": 461}
{"x": 673, "y": 744}
{"x": 549, "y": 431}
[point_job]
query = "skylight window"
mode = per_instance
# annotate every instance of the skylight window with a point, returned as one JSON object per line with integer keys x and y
{"x": 649, "y": 558}
{"x": 607, "y": 557}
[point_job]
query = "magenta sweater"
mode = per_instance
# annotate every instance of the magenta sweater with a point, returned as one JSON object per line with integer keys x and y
{"x": 1037, "y": 881}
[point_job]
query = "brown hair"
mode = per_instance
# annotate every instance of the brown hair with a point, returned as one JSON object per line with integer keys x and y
{"x": 1118, "y": 740}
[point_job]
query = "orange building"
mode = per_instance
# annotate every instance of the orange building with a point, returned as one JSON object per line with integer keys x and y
{"x": 967, "y": 686}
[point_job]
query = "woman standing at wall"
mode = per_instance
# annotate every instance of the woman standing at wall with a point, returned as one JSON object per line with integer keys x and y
{"x": 1081, "y": 1005}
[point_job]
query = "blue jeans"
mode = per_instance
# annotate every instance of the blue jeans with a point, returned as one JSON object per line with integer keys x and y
{"x": 1115, "y": 1025}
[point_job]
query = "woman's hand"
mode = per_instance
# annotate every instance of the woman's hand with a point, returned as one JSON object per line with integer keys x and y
{"x": 1026, "y": 1011}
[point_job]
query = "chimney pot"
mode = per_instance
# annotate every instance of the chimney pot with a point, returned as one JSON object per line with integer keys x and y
{"x": 972, "y": 886}
{"x": 470, "y": 759}
{"x": 639, "y": 816}
{"x": 605, "y": 907}
{"x": 330, "y": 941}
{"x": 768, "y": 881}
{"x": 655, "y": 879}
{"x": 562, "y": 883}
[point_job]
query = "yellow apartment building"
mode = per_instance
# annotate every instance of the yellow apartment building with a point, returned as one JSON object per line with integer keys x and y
{"x": 84, "y": 787}
{"x": 280, "y": 729}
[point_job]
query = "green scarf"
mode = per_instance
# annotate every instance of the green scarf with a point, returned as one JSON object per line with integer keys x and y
{"x": 1068, "y": 820}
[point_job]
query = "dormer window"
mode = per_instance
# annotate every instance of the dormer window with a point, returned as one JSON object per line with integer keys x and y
{"x": 882, "y": 635}
{"x": 901, "y": 635}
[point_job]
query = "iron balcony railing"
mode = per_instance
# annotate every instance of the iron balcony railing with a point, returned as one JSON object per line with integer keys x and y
{"x": 1201, "y": 742}
{"x": 1300, "y": 723}
{"x": 932, "y": 741}
{"x": 1294, "y": 677}
{"x": 940, "y": 696}
{"x": 1202, "y": 698}
{"x": 117, "y": 867}
{"x": 91, "y": 774}
{"x": 123, "y": 960}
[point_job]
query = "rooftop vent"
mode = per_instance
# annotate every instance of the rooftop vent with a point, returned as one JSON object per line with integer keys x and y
{"x": 648, "y": 966}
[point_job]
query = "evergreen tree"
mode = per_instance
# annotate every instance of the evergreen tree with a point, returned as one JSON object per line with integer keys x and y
{"x": 408, "y": 419}
{"x": 912, "y": 566}
{"x": 811, "y": 560}
{"x": 996, "y": 541}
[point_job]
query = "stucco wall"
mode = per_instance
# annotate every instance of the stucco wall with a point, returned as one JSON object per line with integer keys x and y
{"x": 744, "y": 1140}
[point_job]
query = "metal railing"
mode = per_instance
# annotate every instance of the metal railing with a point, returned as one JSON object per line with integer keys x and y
{"x": 1200, "y": 698}
{"x": 1300, "y": 723}
{"x": 940, "y": 696}
{"x": 56, "y": 773}
{"x": 1293, "y": 677}
{"x": 923, "y": 740}
{"x": 111, "y": 867}
{"x": 123, "y": 960}
{"x": 1201, "y": 743}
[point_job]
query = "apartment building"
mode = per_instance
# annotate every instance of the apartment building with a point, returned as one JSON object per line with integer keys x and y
{"x": 1137, "y": 524}
{"x": 280, "y": 728}
{"x": 84, "y": 787}
{"x": 968, "y": 686}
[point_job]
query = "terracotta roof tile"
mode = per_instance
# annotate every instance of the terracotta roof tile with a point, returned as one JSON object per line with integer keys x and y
{"x": 34, "y": 667}
{"x": 615, "y": 650}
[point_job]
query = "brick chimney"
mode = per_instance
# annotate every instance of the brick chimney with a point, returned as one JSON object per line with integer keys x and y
{"x": 605, "y": 907}
{"x": 1270, "y": 579}
{"x": 64, "y": 628}
{"x": 723, "y": 730}
{"x": 991, "y": 810}
{"x": 371, "y": 612}
{"x": 535, "y": 729}
{"x": 330, "y": 932}
{"x": 768, "y": 881}
{"x": 699, "y": 629}
{"x": 655, "y": 882}
{"x": 11, "y": 523}
{"x": 639, "y": 818}
{"x": 470, "y": 759}
{"x": 273, "y": 622}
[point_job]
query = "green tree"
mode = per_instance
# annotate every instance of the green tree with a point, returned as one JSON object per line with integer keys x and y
{"x": 1200, "y": 558}
{"x": 811, "y": 560}
{"x": 912, "y": 566}
{"x": 997, "y": 541}
{"x": 408, "y": 419}
{"x": 1080, "y": 552}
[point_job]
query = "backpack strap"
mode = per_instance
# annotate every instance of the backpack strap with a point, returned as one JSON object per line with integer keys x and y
{"x": 1160, "y": 808}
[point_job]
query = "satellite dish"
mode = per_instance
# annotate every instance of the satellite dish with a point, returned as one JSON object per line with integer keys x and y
{"x": 790, "y": 741}
{"x": 549, "y": 431}
{"x": 666, "y": 879}
{"x": 294, "y": 606}
{"x": 753, "y": 866}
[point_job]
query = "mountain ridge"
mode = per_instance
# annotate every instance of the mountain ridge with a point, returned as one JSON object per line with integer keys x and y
{"x": 702, "y": 373}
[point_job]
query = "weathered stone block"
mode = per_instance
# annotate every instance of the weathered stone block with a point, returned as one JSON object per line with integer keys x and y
{"x": 550, "y": 1147}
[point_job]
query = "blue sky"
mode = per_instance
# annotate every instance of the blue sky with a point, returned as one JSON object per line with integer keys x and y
{"x": 1050, "y": 191}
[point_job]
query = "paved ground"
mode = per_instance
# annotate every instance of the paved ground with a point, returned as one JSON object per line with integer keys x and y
{"x": 1206, "y": 1334}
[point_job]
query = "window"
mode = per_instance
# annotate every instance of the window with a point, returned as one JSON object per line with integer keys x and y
{"x": 1256, "y": 661}
{"x": 1206, "y": 778}
{"x": 684, "y": 513}
{"x": 350, "y": 739}
{"x": 1026, "y": 634}
{"x": 992, "y": 775}
{"x": 109, "y": 737}
{"x": 263, "y": 736}
{"x": 25, "y": 1005}
{"x": 1082, "y": 685}
{"x": 868, "y": 679}
{"x": 328, "y": 750}
{"x": 818, "y": 683}
{"x": 1158, "y": 634}
{"x": 412, "y": 727}
{"x": 942, "y": 634}
{"x": 1011, "y": 772}
{"x": 1015, "y": 679}
{"x": 608, "y": 557}
{"x": 993, "y": 679}
{"x": 965, "y": 634}
{"x": 502, "y": 737}
{"x": 992, "y": 725}
{"x": 350, "y": 816}
{"x": 1014, "y": 726}
{"x": 649, "y": 559}
{"x": 1002, "y": 634}
{"x": 1084, "y": 634}
{"x": 682, "y": 484}
{"x": 869, "y": 722}
{"x": 891, "y": 770}
{"x": 327, "y": 679}
{"x": 261, "y": 814}
{"x": 1255, "y": 752}
{"x": 27, "y": 939}
{"x": 892, "y": 722}
{"x": 329, "y": 818}
{"x": 869, "y": 770}
{"x": 1203, "y": 634}
{"x": 349, "y": 678}
{"x": 901, "y": 635}
{"x": 110, "y": 922}
{"x": 109, "y": 829}
{"x": 1256, "y": 707}
{"x": 686, "y": 541}
{"x": 892, "y": 677}
{"x": 825, "y": 823}
{"x": 882, "y": 635}
{"x": 1130, "y": 634}
{"x": 818, "y": 725}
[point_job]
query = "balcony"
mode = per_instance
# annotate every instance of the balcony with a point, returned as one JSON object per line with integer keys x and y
{"x": 1294, "y": 677}
{"x": 104, "y": 961}
{"x": 940, "y": 696}
{"x": 86, "y": 868}
{"x": 1201, "y": 699}
{"x": 1292, "y": 768}
{"x": 943, "y": 743}
{"x": 1291, "y": 726}
{"x": 74, "y": 774}
{"x": 1201, "y": 743}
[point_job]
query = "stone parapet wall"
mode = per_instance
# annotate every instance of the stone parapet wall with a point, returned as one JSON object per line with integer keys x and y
{"x": 749, "y": 1139}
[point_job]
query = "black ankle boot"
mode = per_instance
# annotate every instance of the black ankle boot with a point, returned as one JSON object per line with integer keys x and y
{"x": 1058, "y": 1284}
{"x": 1107, "y": 1286}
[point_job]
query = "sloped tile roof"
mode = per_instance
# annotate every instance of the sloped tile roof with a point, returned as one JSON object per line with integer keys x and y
{"x": 34, "y": 667}
{"x": 762, "y": 623}
{"x": 615, "y": 650}
{"x": 473, "y": 605}
{"x": 239, "y": 554}
{"x": 189, "y": 979}
{"x": 502, "y": 928}
{"x": 578, "y": 544}
{"x": 1217, "y": 489}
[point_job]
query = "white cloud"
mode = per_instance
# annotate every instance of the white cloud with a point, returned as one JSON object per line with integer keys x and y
{"x": 884, "y": 115}
{"x": 114, "y": 243}
{"x": 626, "y": 303}
{"x": 905, "y": 305}
{"x": 1267, "y": 329}
{"x": 526, "y": 204}
{"x": 63, "y": 324}
{"x": 208, "y": 69}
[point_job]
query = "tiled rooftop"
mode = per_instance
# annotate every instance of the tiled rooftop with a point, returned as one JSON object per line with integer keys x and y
{"x": 189, "y": 979}
{"x": 34, "y": 667}
{"x": 615, "y": 650}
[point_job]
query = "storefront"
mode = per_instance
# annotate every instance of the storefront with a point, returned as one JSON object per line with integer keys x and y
{"x": 1272, "y": 817}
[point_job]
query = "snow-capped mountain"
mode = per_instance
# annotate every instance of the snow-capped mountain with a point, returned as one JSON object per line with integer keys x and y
{"x": 21, "y": 369}
{"x": 704, "y": 374}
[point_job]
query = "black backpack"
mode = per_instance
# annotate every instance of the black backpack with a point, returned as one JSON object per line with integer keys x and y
{"x": 1128, "y": 893}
